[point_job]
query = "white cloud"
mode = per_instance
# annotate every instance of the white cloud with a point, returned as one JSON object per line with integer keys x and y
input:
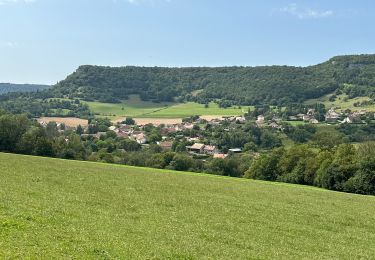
{"x": 306, "y": 13}
{"x": 9, "y": 44}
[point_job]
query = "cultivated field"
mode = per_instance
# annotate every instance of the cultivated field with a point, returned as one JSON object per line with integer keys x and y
{"x": 53, "y": 208}
{"x": 134, "y": 107}
{"x": 68, "y": 121}
{"x": 154, "y": 121}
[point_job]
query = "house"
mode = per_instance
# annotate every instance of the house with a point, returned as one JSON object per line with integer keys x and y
{"x": 195, "y": 148}
{"x": 275, "y": 125}
{"x": 124, "y": 127}
{"x": 240, "y": 119}
{"x": 235, "y": 150}
{"x": 332, "y": 115}
{"x": 260, "y": 120}
{"x": 193, "y": 139}
{"x": 99, "y": 134}
{"x": 188, "y": 126}
{"x": 112, "y": 128}
{"x": 43, "y": 123}
{"x": 314, "y": 121}
{"x": 210, "y": 149}
{"x": 215, "y": 121}
{"x": 311, "y": 112}
{"x": 220, "y": 156}
{"x": 166, "y": 145}
{"x": 121, "y": 133}
{"x": 140, "y": 138}
{"x": 307, "y": 117}
{"x": 352, "y": 118}
{"x": 347, "y": 120}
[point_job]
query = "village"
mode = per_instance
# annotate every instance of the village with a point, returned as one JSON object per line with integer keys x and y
{"x": 196, "y": 145}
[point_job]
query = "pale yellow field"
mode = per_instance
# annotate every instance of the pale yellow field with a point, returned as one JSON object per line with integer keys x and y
{"x": 68, "y": 121}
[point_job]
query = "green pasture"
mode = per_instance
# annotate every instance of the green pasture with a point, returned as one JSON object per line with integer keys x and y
{"x": 58, "y": 209}
{"x": 134, "y": 107}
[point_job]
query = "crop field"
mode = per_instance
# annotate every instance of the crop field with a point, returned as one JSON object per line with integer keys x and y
{"x": 134, "y": 107}
{"x": 342, "y": 102}
{"x": 68, "y": 121}
{"x": 52, "y": 208}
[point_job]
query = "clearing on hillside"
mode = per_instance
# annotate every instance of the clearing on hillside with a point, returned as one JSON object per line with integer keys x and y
{"x": 52, "y": 208}
{"x": 343, "y": 102}
{"x": 134, "y": 107}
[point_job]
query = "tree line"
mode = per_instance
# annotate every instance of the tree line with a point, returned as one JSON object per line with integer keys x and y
{"x": 342, "y": 168}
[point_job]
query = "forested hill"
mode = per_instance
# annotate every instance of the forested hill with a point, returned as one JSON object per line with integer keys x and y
{"x": 9, "y": 87}
{"x": 234, "y": 85}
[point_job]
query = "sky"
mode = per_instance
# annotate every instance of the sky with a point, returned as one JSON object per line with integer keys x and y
{"x": 43, "y": 41}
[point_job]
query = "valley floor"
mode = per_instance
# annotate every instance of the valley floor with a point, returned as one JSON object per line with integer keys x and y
{"x": 52, "y": 208}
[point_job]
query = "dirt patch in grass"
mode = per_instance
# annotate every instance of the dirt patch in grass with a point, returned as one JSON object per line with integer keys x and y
{"x": 154, "y": 121}
{"x": 208, "y": 118}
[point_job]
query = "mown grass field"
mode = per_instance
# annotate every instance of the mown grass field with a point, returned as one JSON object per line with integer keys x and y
{"x": 134, "y": 107}
{"x": 53, "y": 208}
{"x": 341, "y": 102}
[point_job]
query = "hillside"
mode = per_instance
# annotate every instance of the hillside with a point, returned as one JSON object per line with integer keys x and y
{"x": 274, "y": 85}
{"x": 68, "y": 209}
{"x": 8, "y": 87}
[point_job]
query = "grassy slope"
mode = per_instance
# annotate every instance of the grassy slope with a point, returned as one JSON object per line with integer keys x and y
{"x": 189, "y": 109}
{"x": 134, "y": 107}
{"x": 341, "y": 103}
{"x": 64, "y": 209}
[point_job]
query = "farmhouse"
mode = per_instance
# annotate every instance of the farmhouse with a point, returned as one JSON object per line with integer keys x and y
{"x": 307, "y": 118}
{"x": 220, "y": 156}
{"x": 275, "y": 125}
{"x": 188, "y": 126}
{"x": 121, "y": 133}
{"x": 195, "y": 148}
{"x": 166, "y": 145}
{"x": 168, "y": 130}
{"x": 332, "y": 115}
{"x": 210, "y": 149}
{"x": 140, "y": 138}
{"x": 260, "y": 121}
{"x": 311, "y": 112}
{"x": 353, "y": 118}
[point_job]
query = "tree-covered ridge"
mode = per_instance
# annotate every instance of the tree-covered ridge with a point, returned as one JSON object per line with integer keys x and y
{"x": 9, "y": 87}
{"x": 274, "y": 85}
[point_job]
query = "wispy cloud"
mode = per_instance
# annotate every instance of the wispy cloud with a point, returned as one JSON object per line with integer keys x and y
{"x": 8, "y": 44}
{"x": 306, "y": 13}
{"x": 5, "y": 2}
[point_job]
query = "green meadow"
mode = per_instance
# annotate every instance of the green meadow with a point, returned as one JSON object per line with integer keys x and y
{"x": 342, "y": 102}
{"x": 54, "y": 209}
{"x": 134, "y": 107}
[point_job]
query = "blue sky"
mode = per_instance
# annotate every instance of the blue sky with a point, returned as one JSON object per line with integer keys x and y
{"x": 42, "y": 41}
